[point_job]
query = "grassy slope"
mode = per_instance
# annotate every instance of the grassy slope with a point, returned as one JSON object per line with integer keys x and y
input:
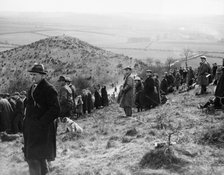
{"x": 92, "y": 154}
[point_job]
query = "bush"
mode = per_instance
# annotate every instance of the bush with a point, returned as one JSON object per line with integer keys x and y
{"x": 18, "y": 84}
{"x": 81, "y": 83}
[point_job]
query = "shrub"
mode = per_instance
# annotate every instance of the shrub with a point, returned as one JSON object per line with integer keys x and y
{"x": 19, "y": 83}
{"x": 81, "y": 83}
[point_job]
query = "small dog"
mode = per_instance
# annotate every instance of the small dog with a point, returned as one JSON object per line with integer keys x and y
{"x": 71, "y": 126}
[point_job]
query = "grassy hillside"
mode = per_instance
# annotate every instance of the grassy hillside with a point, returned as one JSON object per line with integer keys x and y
{"x": 107, "y": 148}
{"x": 63, "y": 55}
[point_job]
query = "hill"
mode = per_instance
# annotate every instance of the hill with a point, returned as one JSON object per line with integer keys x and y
{"x": 62, "y": 55}
{"x": 106, "y": 148}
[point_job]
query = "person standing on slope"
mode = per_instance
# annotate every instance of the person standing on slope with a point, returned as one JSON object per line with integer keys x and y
{"x": 39, "y": 131}
{"x": 127, "y": 92}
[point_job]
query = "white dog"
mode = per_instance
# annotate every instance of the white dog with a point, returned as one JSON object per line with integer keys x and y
{"x": 71, "y": 126}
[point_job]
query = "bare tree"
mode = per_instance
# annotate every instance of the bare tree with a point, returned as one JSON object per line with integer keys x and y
{"x": 169, "y": 62}
{"x": 187, "y": 54}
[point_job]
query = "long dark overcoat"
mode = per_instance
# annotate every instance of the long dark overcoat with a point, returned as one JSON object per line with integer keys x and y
{"x": 219, "y": 92}
{"x": 149, "y": 86}
{"x": 39, "y": 127}
{"x": 203, "y": 71}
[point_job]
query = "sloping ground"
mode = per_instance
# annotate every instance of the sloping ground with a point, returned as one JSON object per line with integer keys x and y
{"x": 105, "y": 148}
{"x": 62, "y": 55}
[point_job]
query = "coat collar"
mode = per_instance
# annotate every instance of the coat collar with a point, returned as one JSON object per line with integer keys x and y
{"x": 126, "y": 76}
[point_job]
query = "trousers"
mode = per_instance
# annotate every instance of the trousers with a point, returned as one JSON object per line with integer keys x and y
{"x": 38, "y": 167}
{"x": 128, "y": 111}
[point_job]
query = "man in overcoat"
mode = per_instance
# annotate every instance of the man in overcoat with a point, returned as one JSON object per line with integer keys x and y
{"x": 127, "y": 92}
{"x": 203, "y": 74}
{"x": 149, "y": 87}
{"x": 42, "y": 108}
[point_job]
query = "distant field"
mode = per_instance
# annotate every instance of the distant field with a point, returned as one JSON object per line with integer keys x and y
{"x": 140, "y": 41}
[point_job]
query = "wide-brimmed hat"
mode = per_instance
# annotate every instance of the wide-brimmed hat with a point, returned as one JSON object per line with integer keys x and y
{"x": 128, "y": 68}
{"x": 38, "y": 68}
{"x": 62, "y": 78}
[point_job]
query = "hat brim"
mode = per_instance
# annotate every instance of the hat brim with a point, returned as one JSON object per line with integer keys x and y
{"x": 127, "y": 68}
{"x": 43, "y": 73}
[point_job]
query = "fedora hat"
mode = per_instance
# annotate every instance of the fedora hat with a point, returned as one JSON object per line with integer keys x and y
{"x": 38, "y": 68}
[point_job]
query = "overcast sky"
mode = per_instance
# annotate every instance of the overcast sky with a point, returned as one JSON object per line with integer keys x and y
{"x": 164, "y": 7}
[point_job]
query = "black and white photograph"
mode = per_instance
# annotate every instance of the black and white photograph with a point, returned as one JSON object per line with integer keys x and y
{"x": 112, "y": 87}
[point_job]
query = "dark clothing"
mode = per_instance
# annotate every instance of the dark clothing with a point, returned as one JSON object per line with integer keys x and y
{"x": 177, "y": 80}
{"x": 164, "y": 86}
{"x": 39, "y": 130}
{"x": 219, "y": 92}
{"x": 203, "y": 71}
{"x": 105, "y": 101}
{"x": 5, "y": 115}
{"x": 214, "y": 68}
{"x": 190, "y": 77}
{"x": 149, "y": 85}
{"x": 19, "y": 115}
{"x": 89, "y": 103}
{"x": 184, "y": 76}
{"x": 128, "y": 111}
{"x": 218, "y": 102}
{"x": 98, "y": 101}
{"x": 139, "y": 95}
{"x": 85, "y": 99}
{"x": 170, "y": 80}
{"x": 157, "y": 94}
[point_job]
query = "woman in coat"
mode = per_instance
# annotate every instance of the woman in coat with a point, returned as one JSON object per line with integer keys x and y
{"x": 39, "y": 130}
{"x": 105, "y": 101}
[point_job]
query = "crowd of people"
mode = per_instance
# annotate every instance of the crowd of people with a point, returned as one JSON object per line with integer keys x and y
{"x": 150, "y": 92}
{"x": 72, "y": 105}
{"x": 35, "y": 112}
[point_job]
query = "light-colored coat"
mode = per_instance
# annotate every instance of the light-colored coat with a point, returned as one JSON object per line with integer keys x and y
{"x": 127, "y": 93}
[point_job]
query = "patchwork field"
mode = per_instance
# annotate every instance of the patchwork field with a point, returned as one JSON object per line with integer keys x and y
{"x": 140, "y": 39}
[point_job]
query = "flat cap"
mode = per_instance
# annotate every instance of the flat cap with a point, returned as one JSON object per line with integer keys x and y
{"x": 128, "y": 68}
{"x": 62, "y": 78}
{"x": 203, "y": 57}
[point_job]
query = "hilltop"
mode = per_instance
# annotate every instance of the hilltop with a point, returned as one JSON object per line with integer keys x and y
{"x": 63, "y": 55}
{"x": 105, "y": 148}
